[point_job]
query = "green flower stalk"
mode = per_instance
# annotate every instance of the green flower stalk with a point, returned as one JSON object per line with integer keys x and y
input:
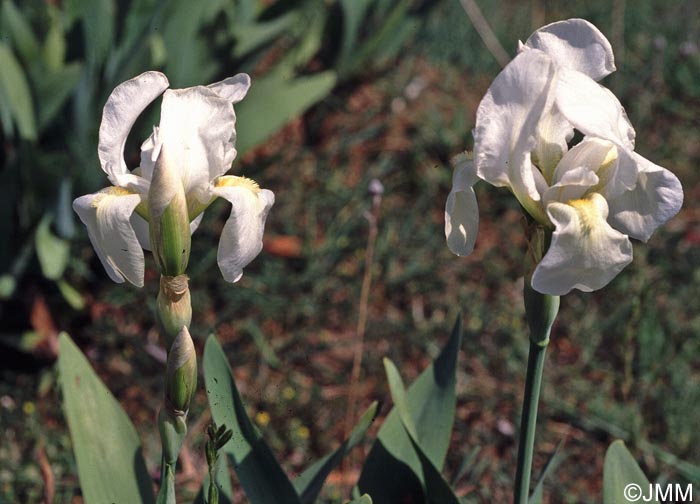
{"x": 180, "y": 386}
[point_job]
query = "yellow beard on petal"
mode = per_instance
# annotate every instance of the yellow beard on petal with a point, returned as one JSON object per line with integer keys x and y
{"x": 588, "y": 214}
{"x": 233, "y": 181}
{"x": 115, "y": 191}
{"x": 110, "y": 191}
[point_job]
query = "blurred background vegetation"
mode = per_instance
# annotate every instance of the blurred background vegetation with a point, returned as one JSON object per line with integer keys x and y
{"x": 344, "y": 91}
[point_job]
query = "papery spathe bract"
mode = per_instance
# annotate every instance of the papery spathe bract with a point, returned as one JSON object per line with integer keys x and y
{"x": 197, "y": 136}
{"x": 592, "y": 197}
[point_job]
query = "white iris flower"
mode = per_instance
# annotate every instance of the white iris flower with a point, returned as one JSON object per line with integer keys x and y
{"x": 197, "y": 136}
{"x": 594, "y": 196}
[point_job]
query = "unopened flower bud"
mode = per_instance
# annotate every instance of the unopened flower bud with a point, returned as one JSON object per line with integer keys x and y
{"x": 169, "y": 218}
{"x": 174, "y": 306}
{"x": 181, "y": 373}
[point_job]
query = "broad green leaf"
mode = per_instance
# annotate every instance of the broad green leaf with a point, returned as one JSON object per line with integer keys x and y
{"x": 135, "y": 49}
{"x": 23, "y": 38}
{"x": 52, "y": 251}
{"x": 353, "y": 13}
{"x": 223, "y": 479}
{"x": 53, "y": 89}
{"x": 260, "y": 474}
{"x": 311, "y": 27}
{"x": 191, "y": 60}
{"x": 74, "y": 298}
{"x": 309, "y": 483}
{"x": 394, "y": 470}
{"x": 8, "y": 284}
{"x": 272, "y": 101}
{"x": 365, "y": 499}
{"x": 98, "y": 20}
{"x": 15, "y": 95}
{"x": 106, "y": 445}
{"x": 437, "y": 491}
{"x": 54, "y": 49}
{"x": 622, "y": 475}
{"x": 384, "y": 41}
{"x": 250, "y": 37}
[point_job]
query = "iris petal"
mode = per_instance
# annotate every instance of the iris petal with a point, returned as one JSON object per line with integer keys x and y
{"x": 586, "y": 253}
{"x": 575, "y": 44}
{"x": 197, "y": 125}
{"x": 123, "y": 107}
{"x": 241, "y": 238}
{"x": 461, "y": 210}
{"x": 656, "y": 198}
{"x": 107, "y": 215}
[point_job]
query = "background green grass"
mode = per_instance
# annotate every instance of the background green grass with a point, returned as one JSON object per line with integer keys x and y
{"x": 623, "y": 362}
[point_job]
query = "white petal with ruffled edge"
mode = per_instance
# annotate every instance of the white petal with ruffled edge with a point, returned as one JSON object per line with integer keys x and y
{"x": 506, "y": 125}
{"x": 552, "y": 137}
{"x": 575, "y": 44}
{"x": 123, "y": 107}
{"x": 233, "y": 88}
{"x": 241, "y": 238}
{"x": 592, "y": 109}
{"x": 197, "y": 124}
{"x": 462, "y": 210}
{"x": 107, "y": 216}
{"x": 656, "y": 198}
{"x": 585, "y": 253}
{"x": 508, "y": 115}
{"x": 582, "y": 169}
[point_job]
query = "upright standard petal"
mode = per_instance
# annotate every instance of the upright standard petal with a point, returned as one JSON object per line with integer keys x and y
{"x": 553, "y": 135}
{"x": 509, "y": 113}
{"x": 506, "y": 126}
{"x": 656, "y": 198}
{"x": 233, "y": 89}
{"x": 197, "y": 125}
{"x": 241, "y": 238}
{"x": 123, "y": 107}
{"x": 575, "y": 44}
{"x": 107, "y": 216}
{"x": 461, "y": 209}
{"x": 593, "y": 109}
{"x": 585, "y": 253}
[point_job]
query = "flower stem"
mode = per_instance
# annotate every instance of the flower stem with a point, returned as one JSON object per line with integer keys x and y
{"x": 540, "y": 310}
{"x": 533, "y": 382}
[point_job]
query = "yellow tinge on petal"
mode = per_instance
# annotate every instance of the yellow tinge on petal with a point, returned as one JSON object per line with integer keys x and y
{"x": 116, "y": 191}
{"x": 605, "y": 171}
{"x": 108, "y": 192}
{"x": 590, "y": 212}
{"x": 233, "y": 181}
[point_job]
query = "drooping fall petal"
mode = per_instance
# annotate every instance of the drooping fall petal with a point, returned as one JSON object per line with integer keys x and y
{"x": 586, "y": 253}
{"x": 462, "y": 210}
{"x": 107, "y": 215}
{"x": 656, "y": 198}
{"x": 241, "y": 238}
